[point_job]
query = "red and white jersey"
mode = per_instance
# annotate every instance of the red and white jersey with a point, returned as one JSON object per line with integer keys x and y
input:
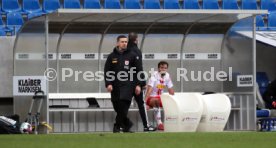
{"x": 158, "y": 83}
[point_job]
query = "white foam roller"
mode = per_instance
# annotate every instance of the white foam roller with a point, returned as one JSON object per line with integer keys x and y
{"x": 215, "y": 114}
{"x": 182, "y": 111}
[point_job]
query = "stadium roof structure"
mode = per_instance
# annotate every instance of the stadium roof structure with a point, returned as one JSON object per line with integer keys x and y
{"x": 103, "y": 20}
{"x": 168, "y": 16}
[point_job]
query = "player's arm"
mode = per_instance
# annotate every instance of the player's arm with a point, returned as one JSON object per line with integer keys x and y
{"x": 170, "y": 86}
{"x": 107, "y": 68}
{"x": 171, "y": 91}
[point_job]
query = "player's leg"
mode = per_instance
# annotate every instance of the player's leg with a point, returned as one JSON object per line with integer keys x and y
{"x": 155, "y": 103}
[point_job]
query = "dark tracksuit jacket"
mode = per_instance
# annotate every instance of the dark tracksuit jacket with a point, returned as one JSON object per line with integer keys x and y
{"x": 270, "y": 95}
{"x": 117, "y": 62}
{"x": 134, "y": 48}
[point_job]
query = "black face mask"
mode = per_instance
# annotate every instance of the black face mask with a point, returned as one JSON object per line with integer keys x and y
{"x": 163, "y": 74}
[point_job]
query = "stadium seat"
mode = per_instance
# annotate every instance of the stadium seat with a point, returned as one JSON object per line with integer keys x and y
{"x": 50, "y": 5}
{"x": 1, "y": 12}
{"x": 249, "y": 4}
{"x": 132, "y": 4}
{"x": 263, "y": 81}
{"x": 171, "y": 4}
{"x": 14, "y": 21}
{"x": 2, "y": 32}
{"x": 1, "y": 22}
{"x": 210, "y": 4}
{"x": 152, "y": 4}
{"x": 216, "y": 111}
{"x": 71, "y": 4}
{"x": 272, "y": 21}
{"x": 2, "y": 27}
{"x": 32, "y": 15}
{"x": 260, "y": 22}
{"x": 91, "y": 4}
{"x": 32, "y": 8}
{"x": 191, "y": 4}
{"x": 10, "y": 6}
{"x": 269, "y": 5}
{"x": 182, "y": 111}
{"x": 112, "y": 4}
{"x": 230, "y": 4}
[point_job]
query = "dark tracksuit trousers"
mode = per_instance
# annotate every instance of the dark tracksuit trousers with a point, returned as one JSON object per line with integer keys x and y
{"x": 121, "y": 100}
{"x": 141, "y": 105}
{"x": 121, "y": 108}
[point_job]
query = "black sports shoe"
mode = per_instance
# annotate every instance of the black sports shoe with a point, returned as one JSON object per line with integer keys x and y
{"x": 150, "y": 128}
{"x": 116, "y": 128}
{"x": 128, "y": 127}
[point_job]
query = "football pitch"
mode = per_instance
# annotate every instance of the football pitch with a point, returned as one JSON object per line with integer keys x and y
{"x": 141, "y": 140}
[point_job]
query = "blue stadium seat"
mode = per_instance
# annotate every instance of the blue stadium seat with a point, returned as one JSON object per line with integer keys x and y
{"x": 263, "y": 81}
{"x": 260, "y": 23}
{"x": 171, "y": 4}
{"x": 32, "y": 8}
{"x": 191, "y": 4}
{"x": 10, "y": 6}
{"x": 152, "y": 4}
{"x": 230, "y": 4}
{"x": 50, "y": 5}
{"x": 272, "y": 21}
{"x": 2, "y": 32}
{"x": 91, "y": 4}
{"x": 1, "y": 12}
{"x": 71, "y": 4}
{"x": 210, "y": 4}
{"x": 14, "y": 21}
{"x": 132, "y": 4}
{"x": 1, "y": 22}
{"x": 268, "y": 5}
{"x": 249, "y": 4}
{"x": 112, "y": 4}
{"x": 32, "y": 15}
{"x": 247, "y": 23}
{"x": 3, "y": 29}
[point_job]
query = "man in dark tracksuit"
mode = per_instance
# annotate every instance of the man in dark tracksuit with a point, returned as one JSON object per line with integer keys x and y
{"x": 120, "y": 70}
{"x": 270, "y": 95}
{"x": 132, "y": 46}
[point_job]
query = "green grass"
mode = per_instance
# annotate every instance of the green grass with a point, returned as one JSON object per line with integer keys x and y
{"x": 141, "y": 140}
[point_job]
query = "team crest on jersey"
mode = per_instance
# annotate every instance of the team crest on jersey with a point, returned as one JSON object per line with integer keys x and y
{"x": 126, "y": 62}
{"x": 160, "y": 86}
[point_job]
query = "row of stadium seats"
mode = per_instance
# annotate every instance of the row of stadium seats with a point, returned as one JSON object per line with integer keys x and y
{"x": 11, "y": 9}
{"x": 33, "y": 6}
{"x": 13, "y": 23}
{"x": 266, "y": 23}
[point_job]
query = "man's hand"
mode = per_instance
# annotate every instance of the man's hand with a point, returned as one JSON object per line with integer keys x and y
{"x": 145, "y": 87}
{"x": 109, "y": 88}
{"x": 137, "y": 90}
{"x": 274, "y": 104}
